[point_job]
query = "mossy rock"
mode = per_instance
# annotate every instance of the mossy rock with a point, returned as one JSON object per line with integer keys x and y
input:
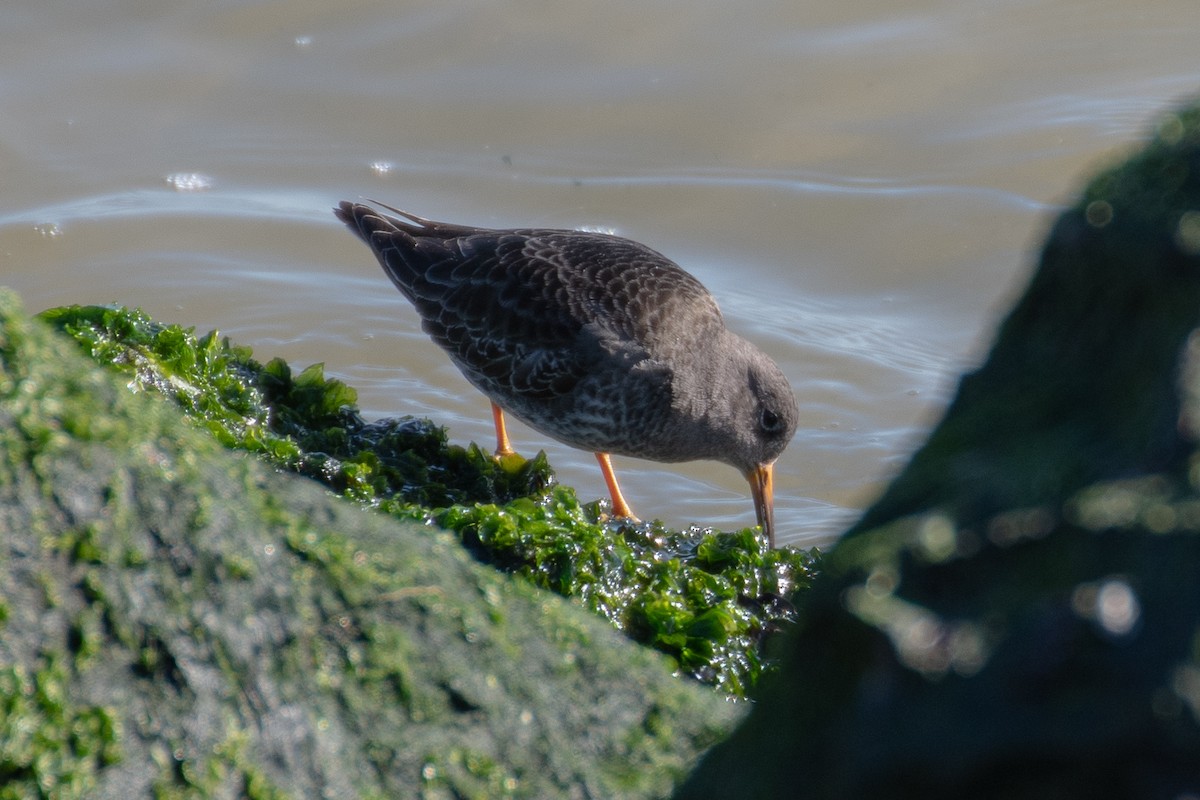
{"x": 1018, "y": 615}
{"x": 710, "y": 599}
{"x": 179, "y": 620}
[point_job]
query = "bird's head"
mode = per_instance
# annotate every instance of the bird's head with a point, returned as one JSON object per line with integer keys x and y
{"x": 757, "y": 418}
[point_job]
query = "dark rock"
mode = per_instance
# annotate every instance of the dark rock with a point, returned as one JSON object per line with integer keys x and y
{"x": 176, "y": 620}
{"x": 1017, "y": 616}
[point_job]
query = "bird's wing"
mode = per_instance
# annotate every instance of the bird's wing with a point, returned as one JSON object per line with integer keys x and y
{"x": 531, "y": 312}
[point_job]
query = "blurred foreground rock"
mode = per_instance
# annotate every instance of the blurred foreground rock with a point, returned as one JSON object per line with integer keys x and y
{"x": 1019, "y": 615}
{"x": 177, "y": 621}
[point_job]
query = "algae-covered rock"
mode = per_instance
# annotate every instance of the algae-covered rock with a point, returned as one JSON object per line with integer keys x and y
{"x": 1018, "y": 615}
{"x": 707, "y": 598}
{"x": 176, "y": 620}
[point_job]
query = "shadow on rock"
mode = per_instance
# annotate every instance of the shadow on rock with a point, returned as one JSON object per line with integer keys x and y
{"x": 1017, "y": 615}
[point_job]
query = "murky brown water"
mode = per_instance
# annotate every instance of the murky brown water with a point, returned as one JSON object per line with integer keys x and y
{"x": 859, "y": 183}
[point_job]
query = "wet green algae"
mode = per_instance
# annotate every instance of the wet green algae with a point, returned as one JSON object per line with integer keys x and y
{"x": 706, "y": 598}
{"x": 179, "y": 622}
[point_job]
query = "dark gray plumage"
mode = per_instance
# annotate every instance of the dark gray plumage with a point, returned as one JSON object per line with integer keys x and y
{"x": 598, "y": 341}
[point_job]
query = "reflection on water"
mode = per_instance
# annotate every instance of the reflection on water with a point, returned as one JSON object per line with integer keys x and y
{"x": 859, "y": 184}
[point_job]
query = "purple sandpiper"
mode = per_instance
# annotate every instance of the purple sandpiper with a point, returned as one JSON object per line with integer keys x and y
{"x": 595, "y": 340}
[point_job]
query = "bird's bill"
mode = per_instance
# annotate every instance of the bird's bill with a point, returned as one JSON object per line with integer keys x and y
{"x": 762, "y": 489}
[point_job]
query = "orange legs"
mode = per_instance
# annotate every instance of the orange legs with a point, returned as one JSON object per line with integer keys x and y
{"x": 619, "y": 507}
{"x": 503, "y": 447}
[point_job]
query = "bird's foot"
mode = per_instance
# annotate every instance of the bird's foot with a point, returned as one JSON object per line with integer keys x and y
{"x": 510, "y": 461}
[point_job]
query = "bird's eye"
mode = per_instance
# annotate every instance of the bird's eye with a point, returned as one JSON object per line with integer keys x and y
{"x": 769, "y": 421}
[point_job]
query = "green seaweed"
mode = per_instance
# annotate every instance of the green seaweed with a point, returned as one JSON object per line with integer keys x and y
{"x": 48, "y": 746}
{"x": 230, "y": 764}
{"x": 707, "y": 598}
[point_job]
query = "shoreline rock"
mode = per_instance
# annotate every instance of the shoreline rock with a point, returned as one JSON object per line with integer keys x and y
{"x": 1017, "y": 615}
{"x": 178, "y": 619}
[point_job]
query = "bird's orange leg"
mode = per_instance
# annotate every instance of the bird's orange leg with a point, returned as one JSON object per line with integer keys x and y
{"x": 619, "y": 507}
{"x": 503, "y": 447}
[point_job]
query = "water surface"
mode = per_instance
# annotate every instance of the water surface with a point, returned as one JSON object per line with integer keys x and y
{"x": 860, "y": 184}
